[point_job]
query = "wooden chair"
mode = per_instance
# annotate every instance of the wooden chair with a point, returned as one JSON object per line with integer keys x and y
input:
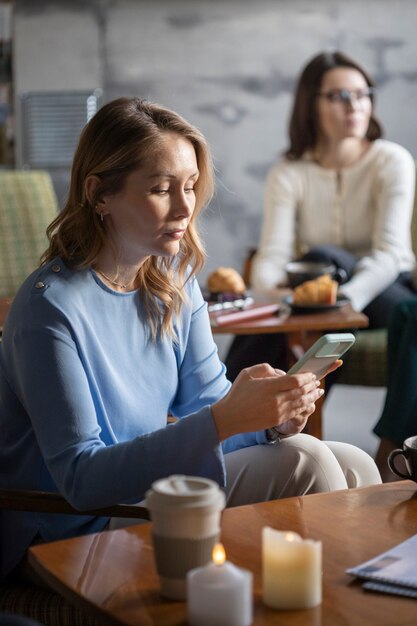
{"x": 48, "y": 607}
{"x": 27, "y": 205}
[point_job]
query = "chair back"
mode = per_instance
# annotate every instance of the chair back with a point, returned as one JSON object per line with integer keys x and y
{"x": 28, "y": 203}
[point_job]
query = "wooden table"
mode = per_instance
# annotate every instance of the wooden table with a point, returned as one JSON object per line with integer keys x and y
{"x": 112, "y": 574}
{"x": 295, "y": 324}
{"x": 302, "y": 331}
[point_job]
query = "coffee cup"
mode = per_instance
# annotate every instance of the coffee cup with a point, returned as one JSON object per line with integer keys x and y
{"x": 409, "y": 453}
{"x": 185, "y": 512}
{"x": 299, "y": 272}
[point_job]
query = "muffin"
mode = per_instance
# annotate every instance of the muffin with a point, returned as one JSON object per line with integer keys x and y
{"x": 225, "y": 279}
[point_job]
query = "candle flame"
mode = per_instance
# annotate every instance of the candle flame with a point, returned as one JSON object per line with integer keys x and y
{"x": 219, "y": 554}
{"x": 290, "y": 536}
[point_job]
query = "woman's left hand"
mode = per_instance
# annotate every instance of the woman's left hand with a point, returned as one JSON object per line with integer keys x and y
{"x": 296, "y": 424}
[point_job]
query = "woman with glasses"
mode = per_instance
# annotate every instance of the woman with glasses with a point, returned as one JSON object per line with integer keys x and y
{"x": 340, "y": 194}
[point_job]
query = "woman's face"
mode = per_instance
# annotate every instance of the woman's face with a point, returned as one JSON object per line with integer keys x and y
{"x": 150, "y": 215}
{"x": 344, "y": 105}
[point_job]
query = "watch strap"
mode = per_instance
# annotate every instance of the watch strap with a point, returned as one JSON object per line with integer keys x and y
{"x": 273, "y": 435}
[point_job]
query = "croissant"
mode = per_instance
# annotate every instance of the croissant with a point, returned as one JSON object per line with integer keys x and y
{"x": 225, "y": 279}
{"x": 321, "y": 290}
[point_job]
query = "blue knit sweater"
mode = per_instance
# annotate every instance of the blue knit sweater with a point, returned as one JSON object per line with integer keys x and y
{"x": 84, "y": 398}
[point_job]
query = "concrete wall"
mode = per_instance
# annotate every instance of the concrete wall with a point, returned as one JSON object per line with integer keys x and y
{"x": 229, "y": 66}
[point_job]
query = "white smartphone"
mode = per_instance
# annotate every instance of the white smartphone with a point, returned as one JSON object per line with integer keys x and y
{"x": 323, "y": 353}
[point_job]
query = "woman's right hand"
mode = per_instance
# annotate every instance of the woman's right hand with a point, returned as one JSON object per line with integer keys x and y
{"x": 262, "y": 397}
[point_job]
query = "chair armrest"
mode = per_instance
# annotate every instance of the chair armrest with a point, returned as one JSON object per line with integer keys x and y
{"x": 47, "y": 502}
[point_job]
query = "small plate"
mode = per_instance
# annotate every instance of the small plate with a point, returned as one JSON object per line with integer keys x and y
{"x": 315, "y": 308}
{"x": 226, "y": 300}
{"x": 237, "y": 303}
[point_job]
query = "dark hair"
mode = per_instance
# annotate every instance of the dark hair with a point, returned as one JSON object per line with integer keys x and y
{"x": 303, "y": 122}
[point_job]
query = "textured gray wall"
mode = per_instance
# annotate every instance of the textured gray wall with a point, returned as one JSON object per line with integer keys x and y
{"x": 229, "y": 66}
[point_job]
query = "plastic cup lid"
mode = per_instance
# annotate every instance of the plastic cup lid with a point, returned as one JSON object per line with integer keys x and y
{"x": 189, "y": 491}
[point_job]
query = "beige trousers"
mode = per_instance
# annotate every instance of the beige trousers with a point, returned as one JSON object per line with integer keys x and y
{"x": 296, "y": 466}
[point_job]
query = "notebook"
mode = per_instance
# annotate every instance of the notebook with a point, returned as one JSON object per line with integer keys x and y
{"x": 395, "y": 568}
{"x": 397, "y": 590}
{"x": 248, "y": 313}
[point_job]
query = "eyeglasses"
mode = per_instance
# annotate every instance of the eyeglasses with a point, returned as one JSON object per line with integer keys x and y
{"x": 344, "y": 96}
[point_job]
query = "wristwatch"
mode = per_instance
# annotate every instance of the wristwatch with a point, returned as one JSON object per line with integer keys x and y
{"x": 273, "y": 435}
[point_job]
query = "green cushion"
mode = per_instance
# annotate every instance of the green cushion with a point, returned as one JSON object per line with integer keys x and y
{"x": 27, "y": 205}
{"x": 366, "y": 362}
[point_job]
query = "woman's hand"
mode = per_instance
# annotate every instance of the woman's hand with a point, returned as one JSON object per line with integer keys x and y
{"x": 296, "y": 425}
{"x": 262, "y": 397}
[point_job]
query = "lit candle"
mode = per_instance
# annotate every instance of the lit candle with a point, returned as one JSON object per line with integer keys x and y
{"x": 292, "y": 572}
{"x": 219, "y": 594}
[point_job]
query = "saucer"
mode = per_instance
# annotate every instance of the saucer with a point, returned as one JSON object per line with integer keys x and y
{"x": 320, "y": 307}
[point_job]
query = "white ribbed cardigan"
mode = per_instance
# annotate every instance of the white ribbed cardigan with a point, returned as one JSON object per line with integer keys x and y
{"x": 365, "y": 208}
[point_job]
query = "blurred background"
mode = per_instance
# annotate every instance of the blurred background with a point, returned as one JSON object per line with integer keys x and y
{"x": 228, "y": 66}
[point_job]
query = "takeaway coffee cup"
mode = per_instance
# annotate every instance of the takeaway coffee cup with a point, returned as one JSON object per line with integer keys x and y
{"x": 409, "y": 453}
{"x": 185, "y": 512}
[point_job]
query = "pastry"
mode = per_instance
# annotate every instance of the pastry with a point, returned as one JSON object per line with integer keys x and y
{"x": 226, "y": 279}
{"x": 321, "y": 290}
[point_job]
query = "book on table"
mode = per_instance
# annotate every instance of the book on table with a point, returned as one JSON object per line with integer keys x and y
{"x": 244, "y": 314}
{"x": 393, "y": 571}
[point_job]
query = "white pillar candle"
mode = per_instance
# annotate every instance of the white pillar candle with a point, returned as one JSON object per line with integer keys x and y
{"x": 292, "y": 570}
{"x": 219, "y": 594}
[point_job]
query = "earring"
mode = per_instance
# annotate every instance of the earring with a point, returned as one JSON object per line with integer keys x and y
{"x": 102, "y": 217}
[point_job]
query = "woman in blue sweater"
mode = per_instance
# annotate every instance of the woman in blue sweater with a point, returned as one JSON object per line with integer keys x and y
{"x": 111, "y": 334}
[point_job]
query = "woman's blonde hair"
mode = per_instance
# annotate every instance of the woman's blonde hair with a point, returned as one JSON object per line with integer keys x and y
{"x": 116, "y": 141}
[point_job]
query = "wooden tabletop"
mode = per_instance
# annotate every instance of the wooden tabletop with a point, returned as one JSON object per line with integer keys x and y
{"x": 112, "y": 574}
{"x": 341, "y": 317}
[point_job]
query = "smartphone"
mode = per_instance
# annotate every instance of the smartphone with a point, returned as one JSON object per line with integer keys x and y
{"x": 323, "y": 353}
